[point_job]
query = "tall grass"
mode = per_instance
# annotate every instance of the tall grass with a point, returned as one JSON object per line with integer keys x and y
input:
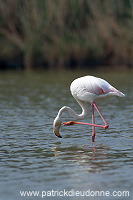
{"x": 59, "y": 32}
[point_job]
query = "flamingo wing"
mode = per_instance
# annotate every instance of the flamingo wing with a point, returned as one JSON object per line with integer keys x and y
{"x": 89, "y": 88}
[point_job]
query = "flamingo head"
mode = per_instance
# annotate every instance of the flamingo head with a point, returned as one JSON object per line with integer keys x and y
{"x": 56, "y": 126}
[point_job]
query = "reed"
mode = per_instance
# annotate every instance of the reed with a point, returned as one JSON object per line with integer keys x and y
{"x": 57, "y": 33}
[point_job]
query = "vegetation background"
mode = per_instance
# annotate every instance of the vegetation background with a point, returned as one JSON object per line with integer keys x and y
{"x": 65, "y": 33}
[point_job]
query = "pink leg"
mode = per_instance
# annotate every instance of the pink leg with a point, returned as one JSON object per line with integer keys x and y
{"x": 93, "y": 122}
{"x": 93, "y": 104}
{"x": 83, "y": 123}
{"x": 106, "y": 124}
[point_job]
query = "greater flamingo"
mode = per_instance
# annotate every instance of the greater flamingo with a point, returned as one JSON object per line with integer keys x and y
{"x": 86, "y": 89}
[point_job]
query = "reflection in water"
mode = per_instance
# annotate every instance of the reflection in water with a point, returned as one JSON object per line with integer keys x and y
{"x": 94, "y": 159}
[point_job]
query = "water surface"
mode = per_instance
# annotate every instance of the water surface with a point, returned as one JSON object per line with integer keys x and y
{"x": 32, "y": 158}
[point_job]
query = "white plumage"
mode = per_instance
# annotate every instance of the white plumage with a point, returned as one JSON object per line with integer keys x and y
{"x": 89, "y": 88}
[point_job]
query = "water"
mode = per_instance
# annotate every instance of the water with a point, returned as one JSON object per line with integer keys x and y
{"x": 32, "y": 158}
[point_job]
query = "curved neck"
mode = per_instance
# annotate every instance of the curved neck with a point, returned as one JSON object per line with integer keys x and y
{"x": 81, "y": 116}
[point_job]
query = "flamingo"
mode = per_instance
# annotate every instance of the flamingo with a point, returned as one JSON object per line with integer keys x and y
{"x": 86, "y": 89}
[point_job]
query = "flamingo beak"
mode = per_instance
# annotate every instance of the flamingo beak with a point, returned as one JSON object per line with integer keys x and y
{"x": 56, "y": 126}
{"x": 56, "y": 132}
